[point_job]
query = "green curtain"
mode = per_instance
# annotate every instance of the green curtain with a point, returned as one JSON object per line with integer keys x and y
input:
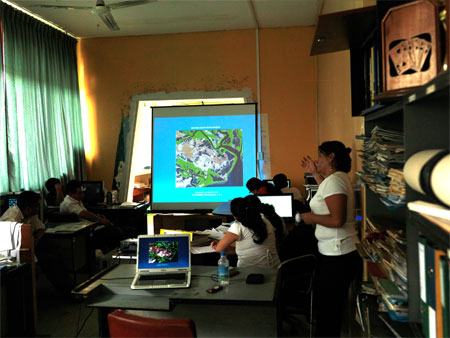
{"x": 40, "y": 122}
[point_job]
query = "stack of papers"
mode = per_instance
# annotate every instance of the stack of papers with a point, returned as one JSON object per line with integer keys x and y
{"x": 387, "y": 248}
{"x": 383, "y": 158}
{"x": 394, "y": 299}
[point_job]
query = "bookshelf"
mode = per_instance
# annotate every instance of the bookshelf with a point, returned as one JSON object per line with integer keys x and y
{"x": 421, "y": 114}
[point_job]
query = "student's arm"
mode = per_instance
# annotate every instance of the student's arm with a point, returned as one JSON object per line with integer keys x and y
{"x": 93, "y": 217}
{"x": 227, "y": 243}
{"x": 337, "y": 205}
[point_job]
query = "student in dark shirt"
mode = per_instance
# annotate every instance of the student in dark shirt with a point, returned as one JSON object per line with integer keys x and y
{"x": 55, "y": 192}
{"x": 258, "y": 187}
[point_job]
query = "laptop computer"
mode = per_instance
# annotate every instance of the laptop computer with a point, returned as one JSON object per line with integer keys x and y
{"x": 163, "y": 261}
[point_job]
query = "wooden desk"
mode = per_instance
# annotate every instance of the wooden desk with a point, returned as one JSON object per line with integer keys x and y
{"x": 238, "y": 310}
{"x": 72, "y": 243}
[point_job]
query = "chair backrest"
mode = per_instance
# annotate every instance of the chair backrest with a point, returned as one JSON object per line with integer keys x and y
{"x": 27, "y": 256}
{"x": 296, "y": 276}
{"x": 123, "y": 324}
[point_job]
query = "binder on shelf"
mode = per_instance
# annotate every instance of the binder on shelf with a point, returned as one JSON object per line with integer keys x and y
{"x": 445, "y": 282}
{"x": 430, "y": 254}
{"x": 439, "y": 255}
{"x": 423, "y": 285}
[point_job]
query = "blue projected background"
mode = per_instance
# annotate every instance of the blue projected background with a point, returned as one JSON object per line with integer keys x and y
{"x": 202, "y": 155}
{"x": 174, "y": 248}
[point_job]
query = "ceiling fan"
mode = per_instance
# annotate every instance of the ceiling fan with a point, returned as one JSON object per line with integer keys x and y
{"x": 101, "y": 10}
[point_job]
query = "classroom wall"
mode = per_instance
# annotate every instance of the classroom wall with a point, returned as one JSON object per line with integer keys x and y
{"x": 334, "y": 113}
{"x": 113, "y": 70}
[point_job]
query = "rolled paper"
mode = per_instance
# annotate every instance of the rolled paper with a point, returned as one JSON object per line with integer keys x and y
{"x": 440, "y": 180}
{"x": 413, "y": 168}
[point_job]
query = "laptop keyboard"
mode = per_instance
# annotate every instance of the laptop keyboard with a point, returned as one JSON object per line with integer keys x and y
{"x": 162, "y": 280}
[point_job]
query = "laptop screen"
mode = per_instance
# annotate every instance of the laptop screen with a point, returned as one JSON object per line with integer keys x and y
{"x": 281, "y": 203}
{"x": 163, "y": 252}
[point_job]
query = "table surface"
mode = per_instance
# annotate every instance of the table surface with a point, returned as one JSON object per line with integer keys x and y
{"x": 68, "y": 227}
{"x": 113, "y": 290}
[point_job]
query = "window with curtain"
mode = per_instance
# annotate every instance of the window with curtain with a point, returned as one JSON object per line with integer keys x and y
{"x": 40, "y": 114}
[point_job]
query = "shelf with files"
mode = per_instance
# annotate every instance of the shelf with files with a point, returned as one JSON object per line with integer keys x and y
{"x": 426, "y": 126}
{"x": 379, "y": 324}
{"x": 438, "y": 235}
{"x": 376, "y": 210}
{"x": 373, "y": 314}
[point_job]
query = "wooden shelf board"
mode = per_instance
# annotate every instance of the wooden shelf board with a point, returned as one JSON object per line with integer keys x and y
{"x": 385, "y": 111}
{"x": 438, "y": 235}
{"x": 438, "y": 86}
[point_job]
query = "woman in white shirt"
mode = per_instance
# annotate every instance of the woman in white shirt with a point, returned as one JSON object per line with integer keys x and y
{"x": 333, "y": 212}
{"x": 251, "y": 236}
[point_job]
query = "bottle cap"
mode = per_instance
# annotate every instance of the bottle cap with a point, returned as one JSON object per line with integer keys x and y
{"x": 222, "y": 253}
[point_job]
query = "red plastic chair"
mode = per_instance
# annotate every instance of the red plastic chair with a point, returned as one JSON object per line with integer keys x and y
{"x": 123, "y": 324}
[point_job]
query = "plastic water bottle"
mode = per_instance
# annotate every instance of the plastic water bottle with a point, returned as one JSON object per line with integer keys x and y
{"x": 223, "y": 271}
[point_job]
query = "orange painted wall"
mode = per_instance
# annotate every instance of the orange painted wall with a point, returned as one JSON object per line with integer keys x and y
{"x": 289, "y": 97}
{"x": 334, "y": 111}
{"x": 113, "y": 70}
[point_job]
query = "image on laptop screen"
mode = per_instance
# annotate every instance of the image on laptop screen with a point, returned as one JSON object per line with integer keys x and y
{"x": 163, "y": 252}
{"x": 281, "y": 203}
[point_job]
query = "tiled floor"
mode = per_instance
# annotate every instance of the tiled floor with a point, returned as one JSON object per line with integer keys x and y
{"x": 62, "y": 317}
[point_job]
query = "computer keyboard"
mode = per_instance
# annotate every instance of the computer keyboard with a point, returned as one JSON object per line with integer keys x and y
{"x": 162, "y": 281}
{"x": 164, "y": 278}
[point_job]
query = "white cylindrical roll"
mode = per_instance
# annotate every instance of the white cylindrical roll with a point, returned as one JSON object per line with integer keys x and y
{"x": 440, "y": 180}
{"x": 414, "y": 165}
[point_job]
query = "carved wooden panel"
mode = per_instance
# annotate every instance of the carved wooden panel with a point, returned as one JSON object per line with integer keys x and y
{"x": 410, "y": 42}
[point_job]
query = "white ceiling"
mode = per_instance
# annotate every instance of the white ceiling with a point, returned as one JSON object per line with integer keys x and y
{"x": 177, "y": 16}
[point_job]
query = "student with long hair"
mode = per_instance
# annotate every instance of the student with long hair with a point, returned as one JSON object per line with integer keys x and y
{"x": 251, "y": 236}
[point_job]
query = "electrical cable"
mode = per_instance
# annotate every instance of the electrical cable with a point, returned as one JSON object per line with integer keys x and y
{"x": 84, "y": 323}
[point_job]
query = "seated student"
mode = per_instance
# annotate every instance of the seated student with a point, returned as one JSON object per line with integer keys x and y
{"x": 258, "y": 187}
{"x": 251, "y": 237}
{"x": 55, "y": 192}
{"x": 106, "y": 238}
{"x": 72, "y": 204}
{"x": 268, "y": 211}
{"x": 26, "y": 211}
{"x": 280, "y": 181}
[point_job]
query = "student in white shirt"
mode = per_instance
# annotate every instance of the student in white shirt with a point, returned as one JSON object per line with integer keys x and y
{"x": 333, "y": 212}
{"x": 26, "y": 211}
{"x": 104, "y": 238}
{"x": 72, "y": 204}
{"x": 251, "y": 237}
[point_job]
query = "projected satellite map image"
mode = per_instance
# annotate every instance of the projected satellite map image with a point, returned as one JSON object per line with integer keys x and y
{"x": 208, "y": 158}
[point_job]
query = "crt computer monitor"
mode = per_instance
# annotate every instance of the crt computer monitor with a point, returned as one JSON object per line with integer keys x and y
{"x": 93, "y": 192}
{"x": 281, "y": 203}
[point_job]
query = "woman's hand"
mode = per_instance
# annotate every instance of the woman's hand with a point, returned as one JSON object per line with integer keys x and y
{"x": 213, "y": 244}
{"x": 309, "y": 165}
{"x": 307, "y": 217}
